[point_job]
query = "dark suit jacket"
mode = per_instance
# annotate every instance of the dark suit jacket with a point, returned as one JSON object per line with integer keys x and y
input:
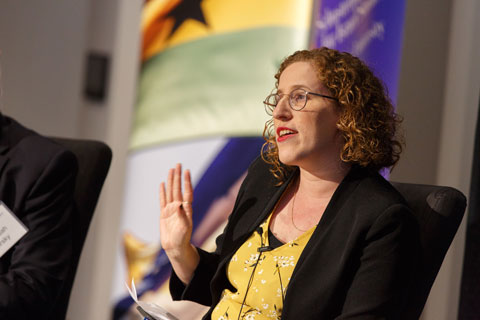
{"x": 358, "y": 263}
{"x": 37, "y": 179}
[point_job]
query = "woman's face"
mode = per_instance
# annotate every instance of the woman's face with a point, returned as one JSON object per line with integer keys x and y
{"x": 308, "y": 137}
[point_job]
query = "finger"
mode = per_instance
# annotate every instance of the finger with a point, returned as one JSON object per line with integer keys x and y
{"x": 187, "y": 182}
{"x": 169, "y": 186}
{"x": 163, "y": 197}
{"x": 177, "y": 183}
{"x": 188, "y": 193}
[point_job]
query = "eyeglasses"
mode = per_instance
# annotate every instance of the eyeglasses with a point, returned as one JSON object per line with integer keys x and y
{"x": 297, "y": 100}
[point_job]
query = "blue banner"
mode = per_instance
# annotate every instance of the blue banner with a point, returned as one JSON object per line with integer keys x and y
{"x": 369, "y": 29}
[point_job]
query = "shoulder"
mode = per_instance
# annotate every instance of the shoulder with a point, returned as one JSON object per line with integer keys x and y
{"x": 368, "y": 196}
{"x": 258, "y": 166}
{"x": 28, "y": 149}
{"x": 374, "y": 186}
{"x": 260, "y": 176}
{"x": 28, "y": 159}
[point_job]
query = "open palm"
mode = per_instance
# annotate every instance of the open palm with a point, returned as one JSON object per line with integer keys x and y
{"x": 176, "y": 211}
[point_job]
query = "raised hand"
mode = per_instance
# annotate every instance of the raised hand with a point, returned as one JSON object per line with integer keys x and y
{"x": 176, "y": 223}
{"x": 176, "y": 210}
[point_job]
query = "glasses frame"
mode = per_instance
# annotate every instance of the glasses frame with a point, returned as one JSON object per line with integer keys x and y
{"x": 270, "y": 107}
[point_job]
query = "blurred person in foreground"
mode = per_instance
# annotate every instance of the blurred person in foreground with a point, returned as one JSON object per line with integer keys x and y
{"x": 37, "y": 178}
{"x": 316, "y": 231}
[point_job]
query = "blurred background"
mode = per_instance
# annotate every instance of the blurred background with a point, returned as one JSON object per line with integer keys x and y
{"x": 72, "y": 68}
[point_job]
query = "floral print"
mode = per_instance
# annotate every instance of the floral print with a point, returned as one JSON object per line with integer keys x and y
{"x": 284, "y": 261}
{"x": 262, "y": 276}
{"x": 250, "y": 314}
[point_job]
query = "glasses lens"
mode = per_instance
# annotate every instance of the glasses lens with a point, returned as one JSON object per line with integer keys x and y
{"x": 270, "y": 103}
{"x": 298, "y": 99}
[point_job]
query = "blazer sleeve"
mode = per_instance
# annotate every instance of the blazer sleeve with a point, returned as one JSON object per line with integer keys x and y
{"x": 39, "y": 262}
{"x": 387, "y": 264}
{"x": 198, "y": 288}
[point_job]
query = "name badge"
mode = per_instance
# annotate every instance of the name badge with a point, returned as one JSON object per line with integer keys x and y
{"x": 11, "y": 229}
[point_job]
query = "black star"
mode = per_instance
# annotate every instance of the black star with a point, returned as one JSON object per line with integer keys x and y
{"x": 187, "y": 9}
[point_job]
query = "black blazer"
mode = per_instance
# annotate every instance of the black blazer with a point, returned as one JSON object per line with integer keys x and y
{"x": 358, "y": 264}
{"x": 37, "y": 178}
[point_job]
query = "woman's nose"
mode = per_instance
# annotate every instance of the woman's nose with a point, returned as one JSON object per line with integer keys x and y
{"x": 282, "y": 110}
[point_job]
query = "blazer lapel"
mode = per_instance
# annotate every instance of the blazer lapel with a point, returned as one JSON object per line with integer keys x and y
{"x": 272, "y": 202}
{"x": 334, "y": 207}
{"x": 268, "y": 203}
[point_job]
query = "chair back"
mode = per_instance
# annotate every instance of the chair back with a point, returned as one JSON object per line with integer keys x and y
{"x": 94, "y": 160}
{"x": 438, "y": 211}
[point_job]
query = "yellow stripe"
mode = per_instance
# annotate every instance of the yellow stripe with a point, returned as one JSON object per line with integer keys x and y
{"x": 222, "y": 16}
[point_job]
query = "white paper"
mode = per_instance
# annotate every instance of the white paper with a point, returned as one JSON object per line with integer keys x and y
{"x": 11, "y": 229}
{"x": 153, "y": 310}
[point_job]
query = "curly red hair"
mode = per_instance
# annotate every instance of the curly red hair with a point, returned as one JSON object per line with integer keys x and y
{"x": 368, "y": 122}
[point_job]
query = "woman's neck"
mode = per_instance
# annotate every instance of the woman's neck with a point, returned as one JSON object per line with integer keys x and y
{"x": 323, "y": 182}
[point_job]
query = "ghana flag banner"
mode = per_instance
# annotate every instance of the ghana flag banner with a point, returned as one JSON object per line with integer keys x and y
{"x": 207, "y": 65}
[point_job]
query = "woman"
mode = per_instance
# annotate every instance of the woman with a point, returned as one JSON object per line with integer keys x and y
{"x": 316, "y": 232}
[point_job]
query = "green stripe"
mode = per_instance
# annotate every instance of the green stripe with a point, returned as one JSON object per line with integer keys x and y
{"x": 211, "y": 87}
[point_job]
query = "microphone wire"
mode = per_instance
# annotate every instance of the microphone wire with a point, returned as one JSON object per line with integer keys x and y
{"x": 261, "y": 250}
{"x": 281, "y": 284}
{"x": 260, "y": 232}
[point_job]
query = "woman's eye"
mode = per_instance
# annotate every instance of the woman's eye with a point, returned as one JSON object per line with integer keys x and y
{"x": 299, "y": 97}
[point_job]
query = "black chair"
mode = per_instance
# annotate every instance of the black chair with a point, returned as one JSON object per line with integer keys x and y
{"x": 438, "y": 211}
{"x": 94, "y": 159}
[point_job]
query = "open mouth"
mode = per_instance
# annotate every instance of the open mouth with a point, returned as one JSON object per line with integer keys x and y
{"x": 283, "y": 133}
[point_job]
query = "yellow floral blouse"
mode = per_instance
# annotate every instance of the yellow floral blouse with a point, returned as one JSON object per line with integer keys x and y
{"x": 262, "y": 277}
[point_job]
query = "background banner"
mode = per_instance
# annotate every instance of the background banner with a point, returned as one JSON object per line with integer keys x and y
{"x": 207, "y": 65}
{"x": 369, "y": 29}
